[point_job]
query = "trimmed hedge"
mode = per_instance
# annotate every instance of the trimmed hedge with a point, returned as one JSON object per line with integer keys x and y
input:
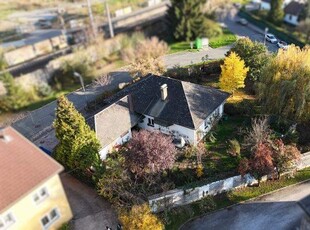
{"x": 262, "y": 24}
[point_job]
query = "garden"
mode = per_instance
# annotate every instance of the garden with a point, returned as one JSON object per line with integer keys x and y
{"x": 258, "y": 135}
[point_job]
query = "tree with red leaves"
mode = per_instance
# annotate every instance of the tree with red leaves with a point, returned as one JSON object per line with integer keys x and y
{"x": 150, "y": 153}
{"x": 261, "y": 163}
{"x": 244, "y": 166}
{"x": 285, "y": 157}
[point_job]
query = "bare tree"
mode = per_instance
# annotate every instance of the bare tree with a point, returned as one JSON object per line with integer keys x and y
{"x": 103, "y": 80}
{"x": 258, "y": 133}
{"x": 145, "y": 57}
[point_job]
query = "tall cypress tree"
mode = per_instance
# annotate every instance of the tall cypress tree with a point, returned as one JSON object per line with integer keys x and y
{"x": 276, "y": 13}
{"x": 78, "y": 146}
{"x": 186, "y": 19}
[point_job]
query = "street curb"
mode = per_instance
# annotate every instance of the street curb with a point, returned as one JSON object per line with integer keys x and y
{"x": 241, "y": 202}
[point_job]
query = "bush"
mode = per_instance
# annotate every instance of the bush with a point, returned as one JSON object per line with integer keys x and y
{"x": 64, "y": 77}
{"x": 234, "y": 148}
{"x": 245, "y": 107}
{"x": 207, "y": 204}
{"x": 211, "y": 28}
{"x": 189, "y": 151}
{"x": 15, "y": 98}
{"x": 43, "y": 89}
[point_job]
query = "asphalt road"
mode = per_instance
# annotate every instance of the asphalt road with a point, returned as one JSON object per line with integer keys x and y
{"x": 251, "y": 31}
{"x": 279, "y": 210}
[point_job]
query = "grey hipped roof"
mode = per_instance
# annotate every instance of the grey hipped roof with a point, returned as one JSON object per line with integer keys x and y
{"x": 187, "y": 104}
{"x": 294, "y": 8}
{"x": 114, "y": 121}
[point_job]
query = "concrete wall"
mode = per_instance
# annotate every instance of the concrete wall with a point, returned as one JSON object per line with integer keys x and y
{"x": 20, "y": 55}
{"x": 140, "y": 15}
{"x": 28, "y": 214}
{"x": 177, "y": 197}
{"x": 29, "y": 52}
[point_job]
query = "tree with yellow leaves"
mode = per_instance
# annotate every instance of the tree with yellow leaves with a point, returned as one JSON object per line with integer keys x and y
{"x": 233, "y": 73}
{"x": 140, "y": 218}
{"x": 284, "y": 88}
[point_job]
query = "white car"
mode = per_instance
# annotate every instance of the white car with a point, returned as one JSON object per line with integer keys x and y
{"x": 271, "y": 38}
{"x": 243, "y": 21}
{"x": 282, "y": 45}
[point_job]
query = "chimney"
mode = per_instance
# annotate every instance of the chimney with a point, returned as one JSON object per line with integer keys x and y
{"x": 164, "y": 92}
{"x": 130, "y": 103}
{"x": 3, "y": 136}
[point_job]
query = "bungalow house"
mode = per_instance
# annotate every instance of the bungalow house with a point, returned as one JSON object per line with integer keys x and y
{"x": 184, "y": 110}
{"x": 32, "y": 196}
{"x": 293, "y": 11}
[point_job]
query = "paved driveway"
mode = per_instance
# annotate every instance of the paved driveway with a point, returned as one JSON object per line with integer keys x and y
{"x": 90, "y": 211}
{"x": 278, "y": 210}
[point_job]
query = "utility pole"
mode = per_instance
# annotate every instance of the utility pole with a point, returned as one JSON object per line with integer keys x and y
{"x": 60, "y": 13}
{"x": 109, "y": 19}
{"x": 91, "y": 18}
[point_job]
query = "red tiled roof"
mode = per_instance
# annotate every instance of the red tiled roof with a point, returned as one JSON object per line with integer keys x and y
{"x": 23, "y": 166}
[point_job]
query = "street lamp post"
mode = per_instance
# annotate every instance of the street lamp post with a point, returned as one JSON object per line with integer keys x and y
{"x": 266, "y": 31}
{"x": 109, "y": 19}
{"x": 76, "y": 74}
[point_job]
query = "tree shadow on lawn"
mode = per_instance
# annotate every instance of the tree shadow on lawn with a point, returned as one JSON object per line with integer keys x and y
{"x": 219, "y": 159}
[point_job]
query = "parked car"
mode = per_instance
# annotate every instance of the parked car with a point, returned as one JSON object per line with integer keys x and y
{"x": 243, "y": 21}
{"x": 271, "y": 38}
{"x": 44, "y": 24}
{"x": 282, "y": 45}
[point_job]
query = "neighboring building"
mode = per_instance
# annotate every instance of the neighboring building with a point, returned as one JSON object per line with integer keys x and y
{"x": 184, "y": 110}
{"x": 31, "y": 193}
{"x": 293, "y": 11}
{"x": 265, "y": 4}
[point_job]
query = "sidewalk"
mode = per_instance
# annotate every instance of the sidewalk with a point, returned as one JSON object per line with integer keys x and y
{"x": 90, "y": 211}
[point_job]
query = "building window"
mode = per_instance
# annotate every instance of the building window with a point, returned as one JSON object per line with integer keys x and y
{"x": 40, "y": 195}
{"x": 150, "y": 122}
{"x": 50, "y": 218}
{"x": 6, "y": 221}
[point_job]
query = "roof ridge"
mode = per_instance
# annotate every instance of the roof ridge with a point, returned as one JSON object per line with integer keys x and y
{"x": 190, "y": 111}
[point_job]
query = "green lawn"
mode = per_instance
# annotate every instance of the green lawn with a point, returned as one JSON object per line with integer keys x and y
{"x": 178, "y": 216}
{"x": 180, "y": 46}
{"x": 220, "y": 161}
{"x": 227, "y": 38}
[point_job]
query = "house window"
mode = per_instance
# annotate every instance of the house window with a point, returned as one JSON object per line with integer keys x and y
{"x": 40, "y": 195}
{"x": 290, "y": 17}
{"x": 50, "y": 218}
{"x": 6, "y": 221}
{"x": 150, "y": 122}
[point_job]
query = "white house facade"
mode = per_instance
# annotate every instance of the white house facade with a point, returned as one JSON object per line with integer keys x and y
{"x": 184, "y": 110}
{"x": 293, "y": 11}
{"x": 174, "y": 130}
